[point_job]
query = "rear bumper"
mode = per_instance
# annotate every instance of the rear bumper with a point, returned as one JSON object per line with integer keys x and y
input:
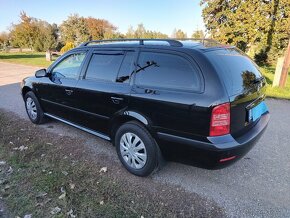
{"x": 209, "y": 154}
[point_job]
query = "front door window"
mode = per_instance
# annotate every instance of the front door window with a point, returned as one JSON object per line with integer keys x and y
{"x": 70, "y": 67}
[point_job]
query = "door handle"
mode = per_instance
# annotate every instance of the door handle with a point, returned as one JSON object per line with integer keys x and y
{"x": 150, "y": 91}
{"x": 116, "y": 100}
{"x": 68, "y": 91}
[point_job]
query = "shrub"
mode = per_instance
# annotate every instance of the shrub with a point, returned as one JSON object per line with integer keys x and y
{"x": 68, "y": 46}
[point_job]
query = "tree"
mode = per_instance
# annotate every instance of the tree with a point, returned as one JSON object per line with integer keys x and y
{"x": 78, "y": 29}
{"x": 24, "y": 33}
{"x": 46, "y": 36}
{"x": 4, "y": 40}
{"x": 33, "y": 33}
{"x": 155, "y": 35}
{"x": 141, "y": 32}
{"x": 258, "y": 27}
{"x": 179, "y": 34}
{"x": 130, "y": 33}
{"x": 100, "y": 28}
{"x": 198, "y": 34}
{"x": 75, "y": 30}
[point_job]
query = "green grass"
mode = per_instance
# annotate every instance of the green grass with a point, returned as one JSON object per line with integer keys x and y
{"x": 275, "y": 92}
{"x": 26, "y": 58}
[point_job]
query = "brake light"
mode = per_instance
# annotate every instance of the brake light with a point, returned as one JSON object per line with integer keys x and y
{"x": 220, "y": 120}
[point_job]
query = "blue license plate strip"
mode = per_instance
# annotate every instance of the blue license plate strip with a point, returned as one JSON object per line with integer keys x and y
{"x": 257, "y": 111}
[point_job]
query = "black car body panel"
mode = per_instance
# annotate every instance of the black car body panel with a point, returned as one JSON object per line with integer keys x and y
{"x": 178, "y": 118}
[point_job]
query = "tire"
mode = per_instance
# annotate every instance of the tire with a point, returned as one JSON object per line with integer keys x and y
{"x": 33, "y": 109}
{"x": 142, "y": 158}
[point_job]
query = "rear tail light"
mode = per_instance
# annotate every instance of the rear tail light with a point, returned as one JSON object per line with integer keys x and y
{"x": 220, "y": 120}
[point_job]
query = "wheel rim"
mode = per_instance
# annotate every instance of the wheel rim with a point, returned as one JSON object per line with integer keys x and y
{"x": 31, "y": 108}
{"x": 133, "y": 150}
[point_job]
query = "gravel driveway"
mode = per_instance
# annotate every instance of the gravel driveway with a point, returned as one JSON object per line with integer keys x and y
{"x": 256, "y": 186}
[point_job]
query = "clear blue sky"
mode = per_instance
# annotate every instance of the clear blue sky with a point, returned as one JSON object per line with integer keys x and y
{"x": 158, "y": 15}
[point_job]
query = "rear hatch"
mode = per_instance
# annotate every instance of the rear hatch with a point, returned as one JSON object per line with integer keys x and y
{"x": 245, "y": 86}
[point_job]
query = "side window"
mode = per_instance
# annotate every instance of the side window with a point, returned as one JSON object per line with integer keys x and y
{"x": 69, "y": 67}
{"x": 104, "y": 66}
{"x": 127, "y": 68}
{"x": 166, "y": 71}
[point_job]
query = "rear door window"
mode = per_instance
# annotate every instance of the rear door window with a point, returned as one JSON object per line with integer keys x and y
{"x": 104, "y": 66}
{"x": 127, "y": 68}
{"x": 166, "y": 70}
{"x": 111, "y": 66}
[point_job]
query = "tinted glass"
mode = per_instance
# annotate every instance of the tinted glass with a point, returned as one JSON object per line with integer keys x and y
{"x": 127, "y": 68}
{"x": 166, "y": 71}
{"x": 236, "y": 69}
{"x": 69, "y": 67}
{"x": 104, "y": 66}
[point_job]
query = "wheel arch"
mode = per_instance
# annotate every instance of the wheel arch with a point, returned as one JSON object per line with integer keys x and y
{"x": 128, "y": 116}
{"x": 24, "y": 90}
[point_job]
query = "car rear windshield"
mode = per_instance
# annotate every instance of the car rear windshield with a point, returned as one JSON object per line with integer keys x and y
{"x": 238, "y": 72}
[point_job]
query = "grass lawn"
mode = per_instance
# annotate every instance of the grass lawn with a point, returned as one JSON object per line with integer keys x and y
{"x": 275, "y": 92}
{"x": 38, "y": 59}
{"x": 26, "y": 58}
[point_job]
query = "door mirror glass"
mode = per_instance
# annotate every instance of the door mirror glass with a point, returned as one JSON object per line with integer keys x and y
{"x": 40, "y": 73}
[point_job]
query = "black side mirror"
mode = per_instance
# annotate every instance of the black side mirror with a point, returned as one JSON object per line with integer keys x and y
{"x": 40, "y": 73}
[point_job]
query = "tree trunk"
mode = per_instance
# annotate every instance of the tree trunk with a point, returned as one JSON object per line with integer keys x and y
{"x": 284, "y": 73}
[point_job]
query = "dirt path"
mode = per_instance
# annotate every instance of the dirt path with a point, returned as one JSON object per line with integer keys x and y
{"x": 12, "y": 73}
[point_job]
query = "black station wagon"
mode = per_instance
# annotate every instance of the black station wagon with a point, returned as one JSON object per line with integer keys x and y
{"x": 197, "y": 102}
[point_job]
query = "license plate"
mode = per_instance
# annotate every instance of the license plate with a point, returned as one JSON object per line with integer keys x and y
{"x": 257, "y": 111}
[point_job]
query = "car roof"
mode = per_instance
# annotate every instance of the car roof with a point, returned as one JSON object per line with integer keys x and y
{"x": 203, "y": 45}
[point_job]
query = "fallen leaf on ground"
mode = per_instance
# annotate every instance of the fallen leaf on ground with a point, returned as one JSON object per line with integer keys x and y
{"x": 21, "y": 148}
{"x": 39, "y": 205}
{"x": 103, "y": 169}
{"x": 55, "y": 210}
{"x": 10, "y": 170}
{"x": 72, "y": 186}
{"x": 41, "y": 195}
{"x": 62, "y": 196}
{"x": 71, "y": 214}
{"x": 64, "y": 173}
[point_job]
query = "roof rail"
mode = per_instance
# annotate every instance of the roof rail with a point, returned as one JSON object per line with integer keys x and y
{"x": 202, "y": 40}
{"x": 171, "y": 42}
